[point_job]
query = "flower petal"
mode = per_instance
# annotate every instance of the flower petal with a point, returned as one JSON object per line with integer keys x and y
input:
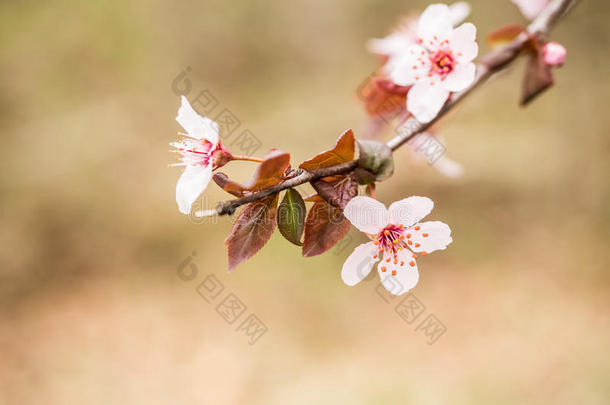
{"x": 459, "y": 11}
{"x": 530, "y": 8}
{"x": 366, "y": 214}
{"x": 359, "y": 264}
{"x": 430, "y": 236}
{"x": 463, "y": 42}
{"x": 461, "y": 77}
{"x": 195, "y": 125}
{"x": 435, "y": 25}
{"x": 190, "y": 185}
{"x": 398, "y": 278}
{"x": 426, "y": 98}
{"x": 409, "y": 211}
{"x": 405, "y": 70}
{"x": 390, "y": 45}
{"x": 449, "y": 167}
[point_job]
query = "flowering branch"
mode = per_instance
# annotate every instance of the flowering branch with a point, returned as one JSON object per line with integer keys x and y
{"x": 490, "y": 64}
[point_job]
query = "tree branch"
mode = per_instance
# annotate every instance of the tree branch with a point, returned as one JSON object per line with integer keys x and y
{"x": 489, "y": 64}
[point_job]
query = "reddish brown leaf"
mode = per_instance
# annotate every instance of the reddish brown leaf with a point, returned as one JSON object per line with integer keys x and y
{"x": 324, "y": 227}
{"x": 251, "y": 230}
{"x": 504, "y": 35}
{"x": 383, "y": 99}
{"x": 227, "y": 185}
{"x": 343, "y": 151}
{"x": 391, "y": 87}
{"x": 267, "y": 174}
{"x": 270, "y": 172}
{"x": 314, "y": 198}
{"x": 538, "y": 77}
{"x": 337, "y": 192}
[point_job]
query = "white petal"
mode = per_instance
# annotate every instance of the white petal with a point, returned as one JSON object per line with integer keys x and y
{"x": 390, "y": 45}
{"x": 449, "y": 167}
{"x": 190, "y": 185}
{"x": 461, "y": 77}
{"x": 463, "y": 42}
{"x": 438, "y": 236}
{"x": 409, "y": 211}
{"x": 407, "y": 67}
{"x": 425, "y": 100}
{"x": 531, "y": 8}
{"x": 359, "y": 264}
{"x": 435, "y": 25}
{"x": 406, "y": 276}
{"x": 366, "y": 214}
{"x": 195, "y": 125}
{"x": 459, "y": 11}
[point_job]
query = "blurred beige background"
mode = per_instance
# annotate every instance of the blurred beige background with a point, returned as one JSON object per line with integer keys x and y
{"x": 93, "y": 311}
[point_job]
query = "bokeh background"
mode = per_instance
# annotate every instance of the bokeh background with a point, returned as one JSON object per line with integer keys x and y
{"x": 92, "y": 309}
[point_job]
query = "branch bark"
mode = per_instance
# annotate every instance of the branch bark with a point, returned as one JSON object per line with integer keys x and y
{"x": 489, "y": 64}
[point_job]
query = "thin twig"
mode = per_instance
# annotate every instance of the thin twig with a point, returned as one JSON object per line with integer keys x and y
{"x": 490, "y": 64}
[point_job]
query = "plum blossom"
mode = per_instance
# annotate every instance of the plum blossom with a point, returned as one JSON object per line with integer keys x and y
{"x": 200, "y": 151}
{"x": 554, "y": 54}
{"x": 440, "y": 62}
{"x": 398, "y": 42}
{"x": 531, "y": 8}
{"x": 396, "y": 234}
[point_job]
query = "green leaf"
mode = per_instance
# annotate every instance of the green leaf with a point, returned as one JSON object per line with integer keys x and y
{"x": 325, "y": 226}
{"x": 376, "y": 157}
{"x": 251, "y": 230}
{"x": 291, "y": 216}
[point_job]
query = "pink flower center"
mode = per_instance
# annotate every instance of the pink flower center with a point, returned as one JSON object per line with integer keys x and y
{"x": 194, "y": 152}
{"x": 442, "y": 62}
{"x": 390, "y": 241}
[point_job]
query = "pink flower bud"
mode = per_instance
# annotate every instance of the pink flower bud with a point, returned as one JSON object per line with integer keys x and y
{"x": 554, "y": 54}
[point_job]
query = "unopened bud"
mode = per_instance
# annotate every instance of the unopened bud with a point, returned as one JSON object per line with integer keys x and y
{"x": 221, "y": 157}
{"x": 554, "y": 54}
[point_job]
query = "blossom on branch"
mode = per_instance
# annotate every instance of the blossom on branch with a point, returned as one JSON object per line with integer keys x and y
{"x": 396, "y": 234}
{"x": 200, "y": 151}
{"x": 531, "y": 8}
{"x": 440, "y": 62}
{"x": 398, "y": 42}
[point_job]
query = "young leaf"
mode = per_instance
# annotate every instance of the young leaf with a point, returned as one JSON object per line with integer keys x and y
{"x": 337, "y": 192}
{"x": 227, "y": 185}
{"x": 376, "y": 157}
{"x": 384, "y": 99}
{"x": 538, "y": 77}
{"x": 314, "y": 198}
{"x": 343, "y": 151}
{"x": 324, "y": 227}
{"x": 363, "y": 176}
{"x": 267, "y": 174}
{"x": 291, "y": 216}
{"x": 504, "y": 35}
{"x": 251, "y": 230}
